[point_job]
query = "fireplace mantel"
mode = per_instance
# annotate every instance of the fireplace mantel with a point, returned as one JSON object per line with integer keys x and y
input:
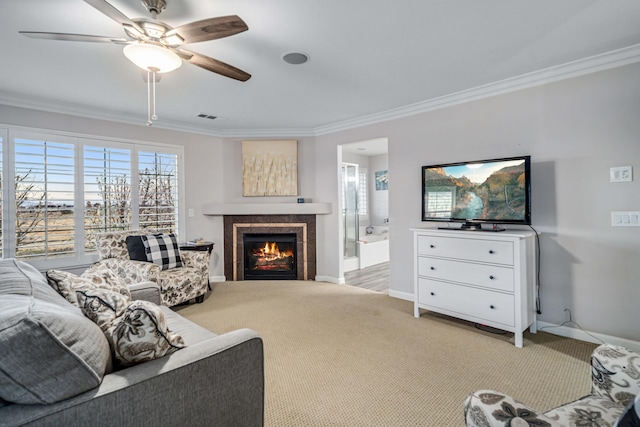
{"x": 219, "y": 209}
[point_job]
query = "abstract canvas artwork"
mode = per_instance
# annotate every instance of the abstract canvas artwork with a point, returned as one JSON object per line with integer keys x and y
{"x": 382, "y": 180}
{"x": 270, "y": 168}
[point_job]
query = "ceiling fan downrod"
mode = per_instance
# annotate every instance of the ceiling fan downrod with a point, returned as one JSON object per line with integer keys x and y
{"x": 155, "y": 7}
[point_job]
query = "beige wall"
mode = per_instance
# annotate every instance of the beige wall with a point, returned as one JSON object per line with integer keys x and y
{"x": 574, "y": 130}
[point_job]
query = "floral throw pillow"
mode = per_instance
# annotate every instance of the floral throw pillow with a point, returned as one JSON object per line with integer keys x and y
{"x": 136, "y": 330}
{"x": 67, "y": 284}
{"x": 102, "y": 306}
{"x": 141, "y": 334}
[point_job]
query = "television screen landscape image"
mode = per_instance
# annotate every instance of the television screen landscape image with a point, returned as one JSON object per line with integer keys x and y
{"x": 486, "y": 191}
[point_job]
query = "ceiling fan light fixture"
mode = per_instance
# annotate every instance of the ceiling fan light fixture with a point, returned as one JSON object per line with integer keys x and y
{"x": 133, "y": 31}
{"x": 150, "y": 56}
{"x": 172, "y": 39}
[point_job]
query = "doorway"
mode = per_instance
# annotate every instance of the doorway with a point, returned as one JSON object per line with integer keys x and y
{"x": 364, "y": 204}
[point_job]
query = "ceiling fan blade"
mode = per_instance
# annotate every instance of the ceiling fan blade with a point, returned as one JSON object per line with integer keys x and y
{"x": 210, "y": 29}
{"x": 213, "y": 65}
{"x": 72, "y": 37}
{"x": 113, "y": 13}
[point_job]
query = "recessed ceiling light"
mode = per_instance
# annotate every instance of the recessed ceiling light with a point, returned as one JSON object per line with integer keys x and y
{"x": 295, "y": 58}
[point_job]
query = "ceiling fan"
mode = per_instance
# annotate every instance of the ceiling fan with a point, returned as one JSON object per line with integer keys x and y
{"x": 152, "y": 38}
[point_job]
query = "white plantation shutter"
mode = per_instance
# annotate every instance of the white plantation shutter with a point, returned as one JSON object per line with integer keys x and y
{"x": 363, "y": 192}
{"x": 107, "y": 191}
{"x": 58, "y": 190}
{"x": 44, "y": 196}
{"x": 158, "y": 190}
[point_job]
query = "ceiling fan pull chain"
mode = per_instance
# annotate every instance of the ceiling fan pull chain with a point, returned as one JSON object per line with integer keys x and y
{"x": 149, "y": 122}
{"x": 151, "y": 96}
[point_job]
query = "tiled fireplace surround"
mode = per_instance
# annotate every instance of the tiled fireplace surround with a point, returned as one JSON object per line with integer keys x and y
{"x": 235, "y": 226}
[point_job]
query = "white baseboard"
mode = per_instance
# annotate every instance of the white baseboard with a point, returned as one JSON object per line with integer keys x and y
{"x": 563, "y": 331}
{"x": 401, "y": 295}
{"x": 330, "y": 279}
{"x": 213, "y": 279}
{"x": 588, "y": 336}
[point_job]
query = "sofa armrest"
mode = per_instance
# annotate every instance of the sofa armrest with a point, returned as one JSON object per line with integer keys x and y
{"x": 147, "y": 291}
{"x": 615, "y": 373}
{"x": 488, "y": 408}
{"x": 218, "y": 381}
{"x": 195, "y": 258}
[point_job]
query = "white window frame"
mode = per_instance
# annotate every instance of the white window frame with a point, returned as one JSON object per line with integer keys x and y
{"x": 80, "y": 258}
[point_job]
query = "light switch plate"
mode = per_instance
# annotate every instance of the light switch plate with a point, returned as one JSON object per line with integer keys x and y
{"x": 621, "y": 174}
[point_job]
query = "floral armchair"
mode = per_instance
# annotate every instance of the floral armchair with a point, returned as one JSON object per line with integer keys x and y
{"x": 177, "y": 285}
{"x": 615, "y": 376}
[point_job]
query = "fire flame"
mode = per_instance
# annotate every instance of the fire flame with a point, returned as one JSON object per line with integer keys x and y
{"x": 271, "y": 252}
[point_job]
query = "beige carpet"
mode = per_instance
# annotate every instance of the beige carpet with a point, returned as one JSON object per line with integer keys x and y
{"x": 336, "y": 355}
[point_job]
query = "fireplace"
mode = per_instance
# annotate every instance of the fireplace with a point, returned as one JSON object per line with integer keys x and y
{"x": 301, "y": 227}
{"x": 269, "y": 256}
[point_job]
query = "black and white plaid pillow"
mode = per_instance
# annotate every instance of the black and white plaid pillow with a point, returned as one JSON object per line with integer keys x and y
{"x": 163, "y": 250}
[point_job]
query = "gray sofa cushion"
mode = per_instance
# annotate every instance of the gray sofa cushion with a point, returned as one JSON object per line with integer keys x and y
{"x": 48, "y": 350}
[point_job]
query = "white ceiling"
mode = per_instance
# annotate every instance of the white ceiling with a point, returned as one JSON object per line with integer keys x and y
{"x": 369, "y": 58}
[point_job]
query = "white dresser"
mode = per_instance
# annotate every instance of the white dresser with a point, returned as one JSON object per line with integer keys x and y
{"x": 483, "y": 277}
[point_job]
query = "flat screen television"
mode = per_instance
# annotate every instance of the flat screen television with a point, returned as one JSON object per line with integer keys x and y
{"x": 495, "y": 191}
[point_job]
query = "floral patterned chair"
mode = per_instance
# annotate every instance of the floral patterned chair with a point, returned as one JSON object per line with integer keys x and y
{"x": 615, "y": 376}
{"x": 177, "y": 285}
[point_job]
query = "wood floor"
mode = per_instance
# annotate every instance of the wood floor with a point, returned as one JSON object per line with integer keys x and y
{"x": 375, "y": 278}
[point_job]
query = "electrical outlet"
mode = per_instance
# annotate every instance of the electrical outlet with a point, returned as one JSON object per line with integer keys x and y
{"x": 192, "y": 213}
{"x": 625, "y": 219}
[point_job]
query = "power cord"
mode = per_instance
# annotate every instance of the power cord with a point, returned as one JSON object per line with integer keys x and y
{"x": 539, "y": 263}
{"x": 570, "y": 321}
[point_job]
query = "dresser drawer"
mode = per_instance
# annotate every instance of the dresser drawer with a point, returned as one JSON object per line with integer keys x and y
{"x": 479, "y": 303}
{"x": 487, "y": 275}
{"x": 498, "y": 252}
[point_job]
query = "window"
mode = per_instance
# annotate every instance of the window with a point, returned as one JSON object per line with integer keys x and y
{"x": 44, "y": 197}
{"x": 158, "y": 191}
{"x": 363, "y": 204}
{"x": 107, "y": 191}
{"x": 65, "y": 189}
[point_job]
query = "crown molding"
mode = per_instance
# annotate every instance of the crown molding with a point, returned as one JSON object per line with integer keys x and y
{"x": 79, "y": 110}
{"x": 581, "y": 67}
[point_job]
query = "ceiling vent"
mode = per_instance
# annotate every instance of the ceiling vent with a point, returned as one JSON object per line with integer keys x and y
{"x": 207, "y": 116}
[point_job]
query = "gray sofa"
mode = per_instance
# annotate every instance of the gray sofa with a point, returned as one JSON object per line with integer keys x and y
{"x": 52, "y": 364}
